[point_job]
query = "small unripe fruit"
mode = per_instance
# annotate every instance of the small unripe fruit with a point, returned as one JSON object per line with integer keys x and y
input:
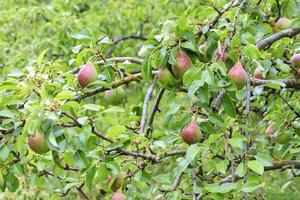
{"x": 238, "y": 74}
{"x": 258, "y": 73}
{"x": 38, "y": 143}
{"x": 118, "y": 196}
{"x": 87, "y": 74}
{"x": 283, "y": 23}
{"x": 218, "y": 54}
{"x": 166, "y": 78}
{"x": 115, "y": 96}
{"x": 191, "y": 133}
{"x": 269, "y": 130}
{"x": 183, "y": 63}
{"x": 118, "y": 182}
{"x": 295, "y": 60}
{"x": 282, "y": 138}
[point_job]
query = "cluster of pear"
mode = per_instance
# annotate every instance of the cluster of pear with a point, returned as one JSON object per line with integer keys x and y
{"x": 88, "y": 74}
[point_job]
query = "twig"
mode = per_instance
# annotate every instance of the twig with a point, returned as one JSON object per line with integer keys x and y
{"x": 264, "y": 43}
{"x": 194, "y": 184}
{"x": 153, "y": 111}
{"x": 278, "y": 11}
{"x": 246, "y": 147}
{"x": 135, "y": 77}
{"x": 175, "y": 184}
{"x": 289, "y": 105}
{"x": 122, "y": 38}
{"x": 216, "y": 19}
{"x": 145, "y": 106}
{"x": 81, "y": 193}
{"x": 232, "y": 33}
{"x": 219, "y": 100}
{"x": 114, "y": 59}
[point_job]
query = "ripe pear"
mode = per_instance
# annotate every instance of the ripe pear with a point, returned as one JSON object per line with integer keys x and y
{"x": 118, "y": 182}
{"x": 238, "y": 74}
{"x": 38, "y": 143}
{"x": 165, "y": 78}
{"x": 295, "y": 60}
{"x": 258, "y": 73}
{"x": 118, "y": 196}
{"x": 115, "y": 96}
{"x": 87, "y": 74}
{"x": 191, "y": 133}
{"x": 183, "y": 63}
{"x": 283, "y": 23}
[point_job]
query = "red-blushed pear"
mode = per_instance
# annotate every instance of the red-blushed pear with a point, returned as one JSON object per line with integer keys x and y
{"x": 283, "y": 23}
{"x": 238, "y": 74}
{"x": 118, "y": 196}
{"x": 295, "y": 60}
{"x": 165, "y": 78}
{"x": 38, "y": 143}
{"x": 183, "y": 63}
{"x": 118, "y": 182}
{"x": 115, "y": 96}
{"x": 191, "y": 133}
{"x": 258, "y": 73}
{"x": 87, "y": 74}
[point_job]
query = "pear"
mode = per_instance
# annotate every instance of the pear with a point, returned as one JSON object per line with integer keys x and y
{"x": 183, "y": 63}
{"x": 238, "y": 74}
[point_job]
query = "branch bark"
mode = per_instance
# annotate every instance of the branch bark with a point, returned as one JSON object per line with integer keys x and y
{"x": 265, "y": 43}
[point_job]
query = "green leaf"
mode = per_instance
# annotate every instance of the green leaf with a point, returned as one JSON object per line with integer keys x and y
{"x": 241, "y": 169}
{"x": 93, "y": 107}
{"x": 191, "y": 75}
{"x": 7, "y": 113}
{"x": 250, "y": 187}
{"x": 12, "y": 182}
{"x": 228, "y": 105}
{"x": 90, "y": 176}
{"x": 41, "y": 57}
{"x": 264, "y": 159}
{"x": 116, "y": 130}
{"x": 192, "y": 152}
{"x": 80, "y": 159}
{"x": 63, "y": 95}
{"x": 224, "y": 188}
{"x": 256, "y": 166}
{"x": 221, "y": 166}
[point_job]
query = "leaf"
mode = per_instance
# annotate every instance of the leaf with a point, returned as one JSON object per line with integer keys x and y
{"x": 224, "y": 188}
{"x": 12, "y": 182}
{"x": 116, "y": 130}
{"x": 221, "y": 166}
{"x": 192, "y": 152}
{"x": 250, "y": 187}
{"x": 146, "y": 69}
{"x": 90, "y": 176}
{"x": 93, "y": 107}
{"x": 228, "y": 105}
{"x": 65, "y": 95}
{"x": 256, "y": 166}
{"x": 41, "y": 57}
{"x": 241, "y": 169}
{"x": 191, "y": 75}
{"x": 7, "y": 113}
{"x": 80, "y": 159}
{"x": 264, "y": 159}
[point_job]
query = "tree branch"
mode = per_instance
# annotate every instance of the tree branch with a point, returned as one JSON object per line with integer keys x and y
{"x": 153, "y": 111}
{"x": 265, "y": 43}
{"x": 145, "y": 106}
{"x": 118, "y": 39}
{"x": 175, "y": 184}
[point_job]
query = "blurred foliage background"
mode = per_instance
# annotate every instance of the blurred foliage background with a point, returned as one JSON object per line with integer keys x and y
{"x": 27, "y": 27}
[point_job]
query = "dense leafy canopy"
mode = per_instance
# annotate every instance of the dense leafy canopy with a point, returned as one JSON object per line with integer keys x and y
{"x": 95, "y": 95}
